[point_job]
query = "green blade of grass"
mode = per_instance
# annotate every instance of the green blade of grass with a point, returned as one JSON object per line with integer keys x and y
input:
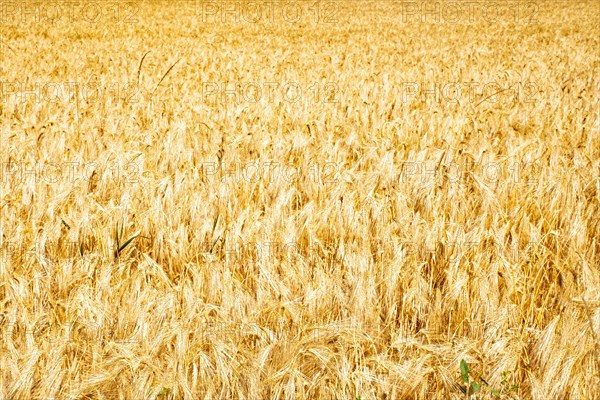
{"x": 215, "y": 225}
{"x": 127, "y": 242}
{"x": 464, "y": 371}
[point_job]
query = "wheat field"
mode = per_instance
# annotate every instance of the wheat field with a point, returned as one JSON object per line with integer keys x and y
{"x": 299, "y": 200}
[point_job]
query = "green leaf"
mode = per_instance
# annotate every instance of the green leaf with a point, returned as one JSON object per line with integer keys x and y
{"x": 514, "y": 387}
{"x": 213, "y": 245}
{"x": 127, "y": 242}
{"x": 464, "y": 371}
{"x": 475, "y": 387}
{"x": 215, "y": 225}
{"x": 495, "y": 392}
